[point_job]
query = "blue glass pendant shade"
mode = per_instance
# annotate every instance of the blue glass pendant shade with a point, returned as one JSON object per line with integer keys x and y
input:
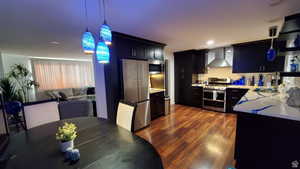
{"x": 88, "y": 43}
{"x": 271, "y": 55}
{"x": 106, "y": 34}
{"x": 102, "y": 52}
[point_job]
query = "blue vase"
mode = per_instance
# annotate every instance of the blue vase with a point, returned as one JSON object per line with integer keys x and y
{"x": 294, "y": 67}
{"x": 297, "y": 41}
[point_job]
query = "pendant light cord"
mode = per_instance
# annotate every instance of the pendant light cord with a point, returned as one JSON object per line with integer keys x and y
{"x": 104, "y": 7}
{"x": 86, "y": 15}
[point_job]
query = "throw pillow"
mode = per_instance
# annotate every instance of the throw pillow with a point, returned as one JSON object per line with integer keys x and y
{"x": 63, "y": 96}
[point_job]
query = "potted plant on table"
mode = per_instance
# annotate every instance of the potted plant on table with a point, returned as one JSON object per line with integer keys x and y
{"x": 66, "y": 135}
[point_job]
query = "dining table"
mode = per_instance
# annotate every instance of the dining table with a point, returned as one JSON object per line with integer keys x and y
{"x": 101, "y": 143}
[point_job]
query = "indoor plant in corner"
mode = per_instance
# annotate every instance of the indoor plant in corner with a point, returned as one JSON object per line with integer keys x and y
{"x": 66, "y": 135}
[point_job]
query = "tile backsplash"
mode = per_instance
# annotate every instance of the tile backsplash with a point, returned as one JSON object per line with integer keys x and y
{"x": 227, "y": 73}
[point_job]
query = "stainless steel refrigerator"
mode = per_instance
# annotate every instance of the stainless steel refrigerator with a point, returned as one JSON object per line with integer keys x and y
{"x": 136, "y": 90}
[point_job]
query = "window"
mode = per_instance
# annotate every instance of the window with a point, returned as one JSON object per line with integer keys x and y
{"x": 54, "y": 74}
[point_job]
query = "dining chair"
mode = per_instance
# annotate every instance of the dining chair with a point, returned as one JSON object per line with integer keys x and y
{"x": 75, "y": 108}
{"x": 40, "y": 113}
{"x": 125, "y": 116}
{"x": 13, "y": 110}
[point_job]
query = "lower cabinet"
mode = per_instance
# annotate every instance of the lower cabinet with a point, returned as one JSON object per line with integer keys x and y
{"x": 197, "y": 96}
{"x": 233, "y": 96}
{"x": 157, "y": 105}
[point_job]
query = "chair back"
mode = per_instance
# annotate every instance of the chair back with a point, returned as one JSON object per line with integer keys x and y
{"x": 13, "y": 107}
{"x": 75, "y": 108}
{"x": 125, "y": 116}
{"x": 41, "y": 113}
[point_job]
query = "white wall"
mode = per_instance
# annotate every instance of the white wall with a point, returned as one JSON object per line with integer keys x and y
{"x": 170, "y": 57}
{"x": 1, "y": 67}
{"x": 100, "y": 89}
{"x": 8, "y": 60}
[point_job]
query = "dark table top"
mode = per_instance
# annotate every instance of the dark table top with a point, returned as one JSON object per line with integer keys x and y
{"x": 102, "y": 145}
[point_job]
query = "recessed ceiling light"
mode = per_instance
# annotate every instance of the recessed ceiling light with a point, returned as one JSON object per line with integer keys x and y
{"x": 54, "y": 43}
{"x": 210, "y": 42}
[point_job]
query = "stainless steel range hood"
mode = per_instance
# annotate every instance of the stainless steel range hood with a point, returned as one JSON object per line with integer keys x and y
{"x": 219, "y": 58}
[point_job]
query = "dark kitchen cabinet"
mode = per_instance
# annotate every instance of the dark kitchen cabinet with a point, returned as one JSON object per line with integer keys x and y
{"x": 123, "y": 46}
{"x": 157, "y": 106}
{"x": 187, "y": 63}
{"x": 158, "y": 53}
{"x": 197, "y": 96}
{"x": 198, "y": 62}
{"x": 233, "y": 96}
{"x": 183, "y": 77}
{"x": 250, "y": 57}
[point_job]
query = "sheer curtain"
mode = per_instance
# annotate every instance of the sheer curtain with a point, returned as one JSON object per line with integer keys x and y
{"x": 54, "y": 74}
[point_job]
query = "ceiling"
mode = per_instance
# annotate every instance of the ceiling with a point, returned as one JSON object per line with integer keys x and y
{"x": 34, "y": 27}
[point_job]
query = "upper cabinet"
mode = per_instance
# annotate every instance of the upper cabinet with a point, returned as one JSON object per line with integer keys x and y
{"x": 198, "y": 61}
{"x": 250, "y": 57}
{"x": 129, "y": 47}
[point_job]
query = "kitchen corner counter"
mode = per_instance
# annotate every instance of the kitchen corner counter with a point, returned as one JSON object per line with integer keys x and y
{"x": 198, "y": 85}
{"x": 155, "y": 90}
{"x": 267, "y": 104}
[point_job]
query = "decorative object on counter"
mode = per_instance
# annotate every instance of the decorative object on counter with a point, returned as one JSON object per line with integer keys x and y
{"x": 294, "y": 97}
{"x": 297, "y": 41}
{"x": 252, "y": 83}
{"x": 72, "y": 154}
{"x": 294, "y": 64}
{"x": 261, "y": 80}
{"x": 271, "y": 54}
{"x": 66, "y": 135}
{"x": 241, "y": 81}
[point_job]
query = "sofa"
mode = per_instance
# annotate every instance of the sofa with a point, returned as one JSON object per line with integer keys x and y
{"x": 65, "y": 94}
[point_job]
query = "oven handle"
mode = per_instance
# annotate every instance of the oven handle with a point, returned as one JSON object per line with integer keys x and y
{"x": 211, "y": 91}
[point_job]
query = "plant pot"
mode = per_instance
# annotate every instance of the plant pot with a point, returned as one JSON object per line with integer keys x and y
{"x": 66, "y": 145}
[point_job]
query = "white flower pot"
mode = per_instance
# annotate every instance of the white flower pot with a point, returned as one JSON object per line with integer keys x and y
{"x": 66, "y": 145}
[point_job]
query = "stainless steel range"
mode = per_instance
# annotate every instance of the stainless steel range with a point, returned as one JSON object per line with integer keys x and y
{"x": 214, "y": 94}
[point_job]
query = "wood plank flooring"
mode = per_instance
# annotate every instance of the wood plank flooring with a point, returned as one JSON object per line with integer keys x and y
{"x": 193, "y": 138}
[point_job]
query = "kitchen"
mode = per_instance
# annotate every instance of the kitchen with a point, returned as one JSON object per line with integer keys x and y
{"x": 217, "y": 80}
{"x": 178, "y": 84}
{"x": 246, "y": 80}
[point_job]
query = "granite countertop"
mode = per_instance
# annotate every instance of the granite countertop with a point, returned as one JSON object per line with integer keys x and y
{"x": 227, "y": 86}
{"x": 267, "y": 104}
{"x": 155, "y": 90}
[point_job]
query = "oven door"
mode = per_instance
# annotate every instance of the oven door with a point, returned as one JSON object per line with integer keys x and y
{"x": 208, "y": 94}
{"x": 214, "y": 100}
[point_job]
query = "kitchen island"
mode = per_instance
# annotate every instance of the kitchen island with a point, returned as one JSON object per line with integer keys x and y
{"x": 267, "y": 134}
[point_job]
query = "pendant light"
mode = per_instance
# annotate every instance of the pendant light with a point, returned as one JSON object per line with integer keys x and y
{"x": 105, "y": 31}
{"x": 271, "y": 54}
{"x": 102, "y": 52}
{"x": 87, "y": 40}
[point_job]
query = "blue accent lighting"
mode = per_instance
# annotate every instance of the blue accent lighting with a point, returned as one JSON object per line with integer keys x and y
{"x": 102, "y": 53}
{"x": 88, "y": 43}
{"x": 105, "y": 33}
{"x": 271, "y": 55}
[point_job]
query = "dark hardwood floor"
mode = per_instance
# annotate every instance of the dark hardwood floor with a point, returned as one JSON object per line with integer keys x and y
{"x": 193, "y": 138}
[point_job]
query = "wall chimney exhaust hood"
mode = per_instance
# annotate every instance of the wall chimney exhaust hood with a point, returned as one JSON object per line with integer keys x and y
{"x": 219, "y": 58}
{"x": 291, "y": 27}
